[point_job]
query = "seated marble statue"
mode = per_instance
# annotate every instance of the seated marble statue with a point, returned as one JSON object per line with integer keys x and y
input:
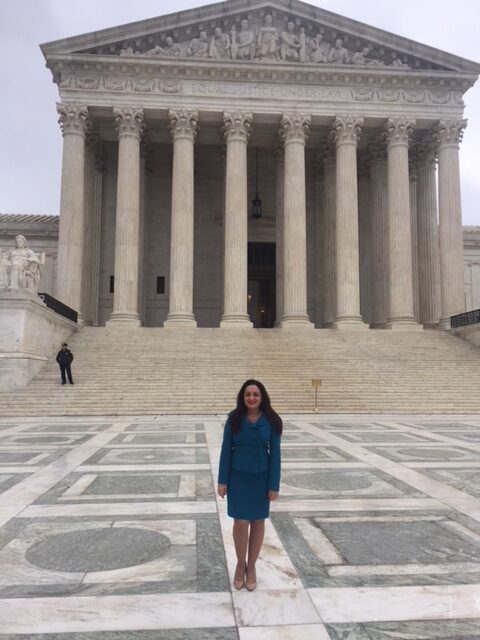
{"x": 199, "y": 46}
{"x": 219, "y": 45}
{"x": 290, "y": 44}
{"x": 316, "y": 52}
{"x": 338, "y": 53}
{"x": 242, "y": 42}
{"x": 20, "y": 267}
{"x": 360, "y": 57}
{"x": 267, "y": 41}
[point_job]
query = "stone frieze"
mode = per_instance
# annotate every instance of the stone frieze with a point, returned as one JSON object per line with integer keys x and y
{"x": 257, "y": 90}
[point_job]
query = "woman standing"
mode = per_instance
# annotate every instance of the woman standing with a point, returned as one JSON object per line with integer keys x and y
{"x": 249, "y": 474}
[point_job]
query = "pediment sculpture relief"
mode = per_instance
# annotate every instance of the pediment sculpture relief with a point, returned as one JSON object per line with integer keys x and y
{"x": 20, "y": 267}
{"x": 267, "y": 39}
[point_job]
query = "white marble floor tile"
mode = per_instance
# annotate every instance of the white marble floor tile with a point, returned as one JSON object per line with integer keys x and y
{"x": 116, "y": 613}
{"x": 381, "y": 604}
{"x": 97, "y": 468}
{"x": 363, "y": 504}
{"x": 273, "y": 607}
{"x": 117, "y": 509}
{"x": 286, "y": 632}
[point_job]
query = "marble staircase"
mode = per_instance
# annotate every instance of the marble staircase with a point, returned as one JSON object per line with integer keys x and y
{"x": 198, "y": 371}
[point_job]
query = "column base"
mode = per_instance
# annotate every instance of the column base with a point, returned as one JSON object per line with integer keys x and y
{"x": 236, "y": 321}
{"x": 123, "y": 319}
{"x": 180, "y": 320}
{"x": 379, "y": 325}
{"x": 444, "y": 324}
{"x": 404, "y": 324}
{"x": 350, "y": 323}
{"x": 300, "y": 321}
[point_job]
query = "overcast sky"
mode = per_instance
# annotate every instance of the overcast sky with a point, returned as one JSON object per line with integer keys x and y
{"x": 30, "y": 139}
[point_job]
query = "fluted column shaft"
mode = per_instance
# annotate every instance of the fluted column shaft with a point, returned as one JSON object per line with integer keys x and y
{"x": 398, "y": 131}
{"x": 450, "y": 133}
{"x": 414, "y": 233}
{"x": 346, "y": 131}
{"x": 279, "y": 204}
{"x": 94, "y": 165}
{"x": 74, "y": 122}
{"x": 379, "y": 244}
{"x": 294, "y": 131}
{"x": 183, "y": 126}
{"x": 129, "y": 121}
{"x": 427, "y": 237}
{"x": 329, "y": 225}
{"x": 237, "y": 127}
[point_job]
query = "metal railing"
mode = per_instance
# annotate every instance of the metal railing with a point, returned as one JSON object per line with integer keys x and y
{"x": 465, "y": 319}
{"x": 60, "y": 308}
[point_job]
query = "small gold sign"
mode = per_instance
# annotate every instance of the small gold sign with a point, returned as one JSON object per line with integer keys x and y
{"x": 316, "y": 382}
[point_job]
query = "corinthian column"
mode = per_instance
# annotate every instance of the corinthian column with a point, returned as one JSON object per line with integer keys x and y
{"x": 294, "y": 131}
{"x": 346, "y": 133}
{"x": 427, "y": 234}
{"x": 280, "y": 176}
{"x": 74, "y": 122}
{"x": 379, "y": 240}
{"x": 183, "y": 127}
{"x": 129, "y": 123}
{"x": 327, "y": 154}
{"x": 450, "y": 133}
{"x": 237, "y": 127}
{"x": 397, "y": 133}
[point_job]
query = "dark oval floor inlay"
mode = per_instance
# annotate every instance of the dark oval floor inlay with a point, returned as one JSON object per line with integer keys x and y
{"x": 97, "y": 549}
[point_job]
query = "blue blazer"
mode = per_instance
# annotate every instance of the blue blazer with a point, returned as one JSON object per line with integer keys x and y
{"x": 255, "y": 448}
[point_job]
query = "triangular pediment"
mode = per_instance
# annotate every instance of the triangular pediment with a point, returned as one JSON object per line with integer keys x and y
{"x": 256, "y": 32}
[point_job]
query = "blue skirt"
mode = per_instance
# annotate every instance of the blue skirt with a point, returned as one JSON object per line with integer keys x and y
{"x": 247, "y": 495}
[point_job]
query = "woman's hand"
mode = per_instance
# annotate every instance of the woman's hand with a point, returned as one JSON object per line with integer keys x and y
{"x": 222, "y": 490}
{"x": 272, "y": 495}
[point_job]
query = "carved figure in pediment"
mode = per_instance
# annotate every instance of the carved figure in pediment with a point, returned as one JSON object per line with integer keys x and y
{"x": 127, "y": 51}
{"x": 290, "y": 44}
{"x": 20, "y": 267}
{"x": 316, "y": 50}
{"x": 242, "y": 44}
{"x": 338, "y": 53}
{"x": 361, "y": 57}
{"x": 398, "y": 63}
{"x": 267, "y": 42}
{"x": 219, "y": 45}
{"x": 170, "y": 48}
{"x": 199, "y": 46}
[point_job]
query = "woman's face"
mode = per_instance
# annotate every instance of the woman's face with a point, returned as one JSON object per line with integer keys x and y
{"x": 252, "y": 397}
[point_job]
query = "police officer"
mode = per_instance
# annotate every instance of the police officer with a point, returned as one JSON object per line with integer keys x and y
{"x": 64, "y": 359}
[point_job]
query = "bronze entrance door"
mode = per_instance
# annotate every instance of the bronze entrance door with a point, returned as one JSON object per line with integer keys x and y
{"x": 261, "y": 284}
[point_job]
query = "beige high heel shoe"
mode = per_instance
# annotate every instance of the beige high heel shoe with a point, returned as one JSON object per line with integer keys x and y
{"x": 239, "y": 584}
{"x": 251, "y": 586}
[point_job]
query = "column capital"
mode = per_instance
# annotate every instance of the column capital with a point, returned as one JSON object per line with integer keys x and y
{"x": 129, "y": 121}
{"x": 398, "y": 131}
{"x": 237, "y": 125}
{"x": 73, "y": 118}
{"x": 183, "y": 123}
{"x": 295, "y": 127}
{"x": 449, "y": 133}
{"x": 346, "y": 129}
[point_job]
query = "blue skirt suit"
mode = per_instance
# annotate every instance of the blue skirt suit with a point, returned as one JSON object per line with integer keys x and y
{"x": 250, "y": 467}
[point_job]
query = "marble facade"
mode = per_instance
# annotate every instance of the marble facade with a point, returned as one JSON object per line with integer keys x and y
{"x": 172, "y": 125}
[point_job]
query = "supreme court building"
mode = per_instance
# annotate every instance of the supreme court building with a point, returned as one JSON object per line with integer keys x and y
{"x": 262, "y": 162}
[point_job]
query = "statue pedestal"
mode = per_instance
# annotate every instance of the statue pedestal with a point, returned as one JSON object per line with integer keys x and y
{"x": 30, "y": 334}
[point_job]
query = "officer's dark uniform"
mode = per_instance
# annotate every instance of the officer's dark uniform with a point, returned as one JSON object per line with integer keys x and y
{"x": 64, "y": 359}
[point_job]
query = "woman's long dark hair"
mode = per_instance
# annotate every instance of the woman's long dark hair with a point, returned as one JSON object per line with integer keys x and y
{"x": 240, "y": 411}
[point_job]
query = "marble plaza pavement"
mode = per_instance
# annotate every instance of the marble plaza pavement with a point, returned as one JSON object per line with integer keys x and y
{"x": 111, "y": 530}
